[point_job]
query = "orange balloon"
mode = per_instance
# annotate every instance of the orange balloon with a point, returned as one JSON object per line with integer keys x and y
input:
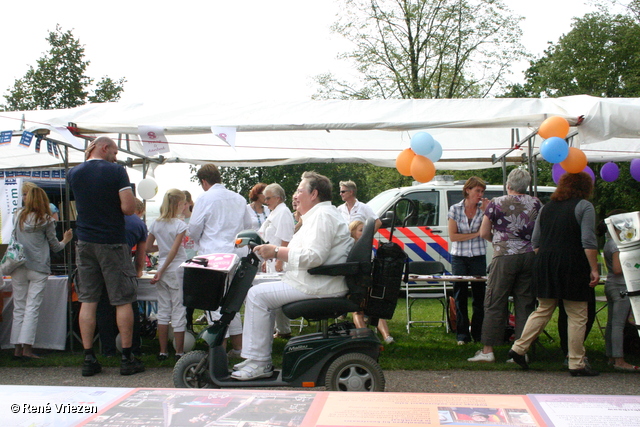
{"x": 554, "y": 126}
{"x": 422, "y": 169}
{"x": 403, "y": 161}
{"x": 575, "y": 162}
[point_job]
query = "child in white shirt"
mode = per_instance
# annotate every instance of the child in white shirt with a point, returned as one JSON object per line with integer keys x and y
{"x": 169, "y": 231}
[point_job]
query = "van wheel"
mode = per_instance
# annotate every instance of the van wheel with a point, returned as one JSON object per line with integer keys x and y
{"x": 354, "y": 372}
{"x": 192, "y": 370}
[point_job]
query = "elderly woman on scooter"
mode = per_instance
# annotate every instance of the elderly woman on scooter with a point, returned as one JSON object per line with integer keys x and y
{"x": 324, "y": 238}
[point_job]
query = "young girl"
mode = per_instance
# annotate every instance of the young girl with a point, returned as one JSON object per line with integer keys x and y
{"x": 168, "y": 230}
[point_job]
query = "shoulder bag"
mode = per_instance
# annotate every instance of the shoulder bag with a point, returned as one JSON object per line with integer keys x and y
{"x": 14, "y": 256}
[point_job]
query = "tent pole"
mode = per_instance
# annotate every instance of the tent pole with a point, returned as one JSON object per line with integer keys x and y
{"x": 67, "y": 225}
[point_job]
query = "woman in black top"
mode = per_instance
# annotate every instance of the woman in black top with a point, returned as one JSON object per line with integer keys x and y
{"x": 564, "y": 268}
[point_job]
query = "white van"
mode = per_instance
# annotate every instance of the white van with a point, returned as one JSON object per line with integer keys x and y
{"x": 425, "y": 236}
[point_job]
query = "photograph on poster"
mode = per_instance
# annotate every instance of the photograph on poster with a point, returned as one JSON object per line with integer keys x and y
{"x": 176, "y": 407}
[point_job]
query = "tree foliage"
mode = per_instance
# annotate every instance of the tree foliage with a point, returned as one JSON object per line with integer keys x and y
{"x": 370, "y": 179}
{"x": 416, "y": 49}
{"x": 600, "y": 56}
{"x": 59, "y": 80}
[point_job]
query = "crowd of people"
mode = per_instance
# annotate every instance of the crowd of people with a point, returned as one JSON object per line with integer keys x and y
{"x": 543, "y": 257}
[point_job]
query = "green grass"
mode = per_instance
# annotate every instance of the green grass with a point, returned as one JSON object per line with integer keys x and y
{"x": 425, "y": 348}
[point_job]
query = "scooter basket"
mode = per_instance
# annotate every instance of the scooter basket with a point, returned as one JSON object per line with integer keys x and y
{"x": 205, "y": 283}
{"x": 203, "y": 289}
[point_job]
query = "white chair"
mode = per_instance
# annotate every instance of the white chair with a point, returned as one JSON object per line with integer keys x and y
{"x": 416, "y": 291}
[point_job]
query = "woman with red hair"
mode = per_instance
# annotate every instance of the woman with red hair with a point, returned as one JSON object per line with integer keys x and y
{"x": 564, "y": 268}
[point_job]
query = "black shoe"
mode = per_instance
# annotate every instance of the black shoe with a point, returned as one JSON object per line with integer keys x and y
{"x": 519, "y": 359}
{"x": 90, "y": 367}
{"x": 162, "y": 357}
{"x": 131, "y": 366}
{"x": 584, "y": 372}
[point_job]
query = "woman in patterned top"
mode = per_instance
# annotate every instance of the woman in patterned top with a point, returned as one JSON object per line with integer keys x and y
{"x": 468, "y": 257}
{"x": 508, "y": 223}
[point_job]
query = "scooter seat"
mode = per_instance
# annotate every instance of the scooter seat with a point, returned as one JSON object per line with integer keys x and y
{"x": 319, "y": 308}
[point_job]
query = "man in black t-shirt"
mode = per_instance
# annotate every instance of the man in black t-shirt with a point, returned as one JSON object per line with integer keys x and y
{"x": 103, "y": 196}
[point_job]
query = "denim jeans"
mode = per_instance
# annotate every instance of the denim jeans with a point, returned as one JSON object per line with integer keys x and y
{"x": 469, "y": 266}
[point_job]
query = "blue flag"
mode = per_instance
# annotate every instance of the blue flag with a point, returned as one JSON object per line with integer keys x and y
{"x": 26, "y": 138}
{"x": 5, "y": 136}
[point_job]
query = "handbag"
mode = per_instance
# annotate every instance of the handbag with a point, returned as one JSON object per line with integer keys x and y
{"x": 14, "y": 256}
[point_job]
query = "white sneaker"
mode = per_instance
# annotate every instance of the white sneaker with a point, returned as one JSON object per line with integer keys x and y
{"x": 482, "y": 357}
{"x": 389, "y": 340}
{"x": 461, "y": 343}
{"x": 253, "y": 370}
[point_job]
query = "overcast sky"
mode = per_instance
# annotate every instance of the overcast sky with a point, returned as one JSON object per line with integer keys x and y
{"x": 190, "y": 50}
{"x": 233, "y": 50}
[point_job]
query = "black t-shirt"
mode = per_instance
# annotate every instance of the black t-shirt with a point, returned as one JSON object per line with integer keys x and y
{"x": 96, "y": 186}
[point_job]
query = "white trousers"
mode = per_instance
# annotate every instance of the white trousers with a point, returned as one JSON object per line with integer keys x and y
{"x": 170, "y": 306}
{"x": 28, "y": 290}
{"x": 259, "y": 316}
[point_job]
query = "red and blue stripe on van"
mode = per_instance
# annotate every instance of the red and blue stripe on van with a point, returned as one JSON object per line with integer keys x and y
{"x": 425, "y": 246}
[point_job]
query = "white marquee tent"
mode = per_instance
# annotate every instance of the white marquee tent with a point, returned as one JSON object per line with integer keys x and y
{"x": 471, "y": 131}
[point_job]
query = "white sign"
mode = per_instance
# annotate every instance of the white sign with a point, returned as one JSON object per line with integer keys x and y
{"x": 153, "y": 140}
{"x": 11, "y": 200}
{"x": 227, "y": 134}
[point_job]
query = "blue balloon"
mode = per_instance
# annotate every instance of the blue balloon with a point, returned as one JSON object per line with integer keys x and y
{"x": 422, "y": 143}
{"x": 554, "y": 149}
{"x": 435, "y": 154}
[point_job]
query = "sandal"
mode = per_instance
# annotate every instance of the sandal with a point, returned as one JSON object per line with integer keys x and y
{"x": 252, "y": 370}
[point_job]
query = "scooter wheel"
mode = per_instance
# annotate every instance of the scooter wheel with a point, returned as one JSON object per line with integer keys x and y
{"x": 192, "y": 370}
{"x": 354, "y": 372}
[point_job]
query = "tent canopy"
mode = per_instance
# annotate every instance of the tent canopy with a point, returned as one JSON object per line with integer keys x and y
{"x": 471, "y": 131}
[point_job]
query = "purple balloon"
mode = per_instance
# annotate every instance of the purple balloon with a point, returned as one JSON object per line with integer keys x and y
{"x": 635, "y": 169}
{"x": 556, "y": 172}
{"x": 590, "y": 172}
{"x": 610, "y": 172}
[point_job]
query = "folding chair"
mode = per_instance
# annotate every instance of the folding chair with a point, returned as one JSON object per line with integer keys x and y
{"x": 425, "y": 290}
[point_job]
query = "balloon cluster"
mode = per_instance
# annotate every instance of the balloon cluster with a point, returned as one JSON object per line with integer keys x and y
{"x": 555, "y": 149}
{"x": 418, "y": 161}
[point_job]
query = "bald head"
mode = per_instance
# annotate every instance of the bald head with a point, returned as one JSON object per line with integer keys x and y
{"x": 103, "y": 148}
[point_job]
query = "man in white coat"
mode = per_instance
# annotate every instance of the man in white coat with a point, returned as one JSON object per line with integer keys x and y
{"x": 218, "y": 216}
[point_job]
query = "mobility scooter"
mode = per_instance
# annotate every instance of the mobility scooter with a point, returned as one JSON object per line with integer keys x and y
{"x": 339, "y": 357}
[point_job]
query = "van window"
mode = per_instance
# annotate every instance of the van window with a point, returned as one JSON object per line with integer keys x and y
{"x": 427, "y": 204}
{"x": 383, "y": 199}
{"x": 455, "y": 196}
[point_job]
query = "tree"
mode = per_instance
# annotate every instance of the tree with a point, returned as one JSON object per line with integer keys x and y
{"x": 370, "y": 179}
{"x": 600, "y": 56}
{"x": 59, "y": 80}
{"x": 425, "y": 48}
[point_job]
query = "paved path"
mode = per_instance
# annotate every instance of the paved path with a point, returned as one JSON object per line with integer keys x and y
{"x": 475, "y": 382}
